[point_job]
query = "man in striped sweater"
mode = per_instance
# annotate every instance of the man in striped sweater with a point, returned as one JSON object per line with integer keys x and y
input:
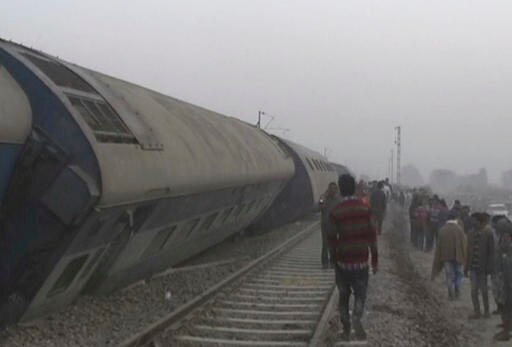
{"x": 352, "y": 240}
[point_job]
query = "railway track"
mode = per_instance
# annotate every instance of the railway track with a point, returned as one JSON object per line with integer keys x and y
{"x": 281, "y": 299}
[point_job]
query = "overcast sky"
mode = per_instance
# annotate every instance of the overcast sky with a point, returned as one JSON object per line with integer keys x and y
{"x": 338, "y": 74}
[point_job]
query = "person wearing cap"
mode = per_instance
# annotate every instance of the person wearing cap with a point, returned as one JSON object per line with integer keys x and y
{"x": 451, "y": 255}
{"x": 480, "y": 262}
{"x": 504, "y": 270}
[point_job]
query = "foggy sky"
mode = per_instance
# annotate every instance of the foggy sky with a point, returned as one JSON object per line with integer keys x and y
{"x": 339, "y": 74}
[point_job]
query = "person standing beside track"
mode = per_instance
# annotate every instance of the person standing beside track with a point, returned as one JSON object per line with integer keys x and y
{"x": 412, "y": 219}
{"x": 450, "y": 255}
{"x": 421, "y": 215}
{"x": 504, "y": 271}
{"x": 433, "y": 223}
{"x": 378, "y": 201}
{"x": 480, "y": 262}
{"x": 354, "y": 239}
{"x": 499, "y": 223}
{"x": 330, "y": 199}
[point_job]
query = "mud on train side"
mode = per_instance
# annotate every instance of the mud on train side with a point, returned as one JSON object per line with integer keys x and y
{"x": 103, "y": 182}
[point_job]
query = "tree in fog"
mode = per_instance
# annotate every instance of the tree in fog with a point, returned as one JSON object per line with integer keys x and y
{"x": 365, "y": 178}
{"x": 411, "y": 176}
{"x": 443, "y": 180}
{"x": 474, "y": 181}
{"x": 506, "y": 179}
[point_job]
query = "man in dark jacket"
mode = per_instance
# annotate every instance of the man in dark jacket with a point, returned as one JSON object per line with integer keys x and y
{"x": 330, "y": 199}
{"x": 480, "y": 262}
{"x": 504, "y": 269}
{"x": 378, "y": 205}
{"x": 355, "y": 239}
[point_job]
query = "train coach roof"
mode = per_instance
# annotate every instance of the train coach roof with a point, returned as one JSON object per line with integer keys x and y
{"x": 150, "y": 145}
{"x": 302, "y": 150}
{"x": 202, "y": 149}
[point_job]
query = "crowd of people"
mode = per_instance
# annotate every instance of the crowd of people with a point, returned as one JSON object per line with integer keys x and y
{"x": 465, "y": 244}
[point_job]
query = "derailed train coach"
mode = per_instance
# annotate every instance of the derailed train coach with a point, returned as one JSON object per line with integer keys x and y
{"x": 301, "y": 195}
{"x": 103, "y": 182}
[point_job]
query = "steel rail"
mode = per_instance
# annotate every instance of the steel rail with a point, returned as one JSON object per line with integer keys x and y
{"x": 150, "y": 335}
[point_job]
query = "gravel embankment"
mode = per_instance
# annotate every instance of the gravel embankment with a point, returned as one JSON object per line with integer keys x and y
{"x": 403, "y": 307}
{"x": 108, "y": 320}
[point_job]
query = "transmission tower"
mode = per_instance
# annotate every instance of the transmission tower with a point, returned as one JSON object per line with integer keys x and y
{"x": 391, "y": 163}
{"x": 398, "y": 142}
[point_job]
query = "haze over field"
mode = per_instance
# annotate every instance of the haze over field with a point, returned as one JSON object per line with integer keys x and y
{"x": 339, "y": 74}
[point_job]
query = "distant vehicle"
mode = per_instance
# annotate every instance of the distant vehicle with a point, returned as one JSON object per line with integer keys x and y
{"x": 497, "y": 210}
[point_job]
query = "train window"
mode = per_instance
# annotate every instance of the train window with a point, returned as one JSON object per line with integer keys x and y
{"x": 140, "y": 216}
{"x": 189, "y": 227}
{"x": 316, "y": 164}
{"x": 109, "y": 113}
{"x": 89, "y": 118}
{"x": 92, "y": 262}
{"x": 250, "y": 206}
{"x": 238, "y": 211}
{"x": 59, "y": 74}
{"x": 260, "y": 203}
{"x": 103, "y": 121}
{"x": 159, "y": 241}
{"x": 68, "y": 275}
{"x": 209, "y": 221}
{"x": 226, "y": 214}
{"x": 310, "y": 165}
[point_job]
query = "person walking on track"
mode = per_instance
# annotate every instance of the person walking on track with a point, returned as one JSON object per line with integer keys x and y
{"x": 355, "y": 238}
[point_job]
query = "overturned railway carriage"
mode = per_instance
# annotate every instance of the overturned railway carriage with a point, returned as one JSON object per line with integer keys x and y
{"x": 301, "y": 195}
{"x": 340, "y": 169}
{"x": 103, "y": 182}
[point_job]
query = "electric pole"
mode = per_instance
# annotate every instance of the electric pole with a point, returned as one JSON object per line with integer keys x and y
{"x": 259, "y": 119}
{"x": 392, "y": 161}
{"x": 398, "y": 142}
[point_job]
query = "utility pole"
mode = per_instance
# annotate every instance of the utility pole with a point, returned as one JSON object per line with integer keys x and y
{"x": 398, "y": 142}
{"x": 392, "y": 161}
{"x": 259, "y": 119}
{"x": 388, "y": 174}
